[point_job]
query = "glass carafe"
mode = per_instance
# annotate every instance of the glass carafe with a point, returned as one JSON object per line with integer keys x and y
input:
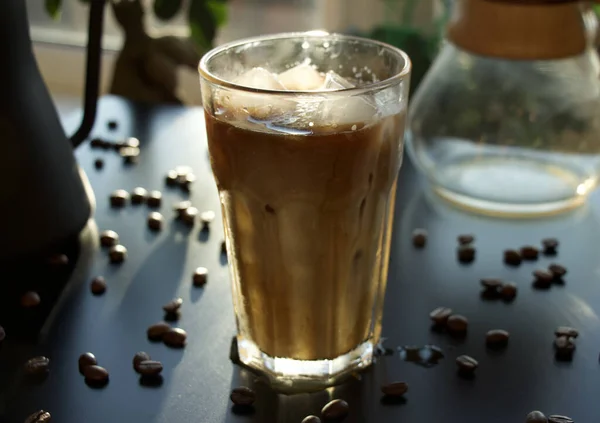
{"x": 507, "y": 120}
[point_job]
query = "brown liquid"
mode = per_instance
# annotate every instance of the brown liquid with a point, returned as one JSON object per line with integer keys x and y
{"x": 307, "y": 219}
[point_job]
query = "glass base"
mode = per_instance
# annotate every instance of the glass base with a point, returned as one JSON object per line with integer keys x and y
{"x": 294, "y": 376}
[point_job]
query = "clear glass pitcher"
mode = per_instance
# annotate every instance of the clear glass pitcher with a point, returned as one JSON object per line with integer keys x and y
{"x": 507, "y": 120}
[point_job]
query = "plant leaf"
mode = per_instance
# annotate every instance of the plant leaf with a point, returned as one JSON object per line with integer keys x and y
{"x": 203, "y": 24}
{"x": 53, "y": 8}
{"x": 219, "y": 10}
{"x": 166, "y": 9}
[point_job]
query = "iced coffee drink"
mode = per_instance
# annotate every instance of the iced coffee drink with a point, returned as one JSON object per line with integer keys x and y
{"x": 305, "y": 147}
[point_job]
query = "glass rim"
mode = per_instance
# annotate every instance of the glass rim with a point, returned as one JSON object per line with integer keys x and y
{"x": 369, "y": 87}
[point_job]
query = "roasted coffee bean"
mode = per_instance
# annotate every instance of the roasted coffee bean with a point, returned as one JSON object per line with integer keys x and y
{"x": 158, "y": 330}
{"x": 543, "y": 278}
{"x": 40, "y": 416}
{"x": 395, "y": 389}
{"x": 440, "y": 315}
{"x": 173, "y": 306}
{"x": 512, "y": 257}
{"x": 550, "y": 245}
{"x": 508, "y": 291}
{"x": 117, "y": 254}
{"x": 138, "y": 195}
{"x": 130, "y": 154}
{"x": 465, "y": 239}
{"x": 567, "y": 331}
{"x": 311, "y": 419}
{"x": 223, "y": 247}
{"x": 200, "y": 276}
{"x": 154, "y": 199}
{"x": 497, "y": 338}
{"x": 98, "y": 285}
{"x": 465, "y": 254}
{"x": 419, "y": 238}
{"x": 206, "y": 218}
{"x": 466, "y": 363}
{"x": 155, "y": 221}
{"x": 457, "y": 323}
{"x": 175, "y": 338}
{"x": 334, "y": 410}
{"x": 97, "y": 143}
{"x": 2, "y": 334}
{"x": 96, "y": 374}
{"x": 149, "y": 368}
{"x": 189, "y": 215}
{"x": 109, "y": 238}
{"x": 242, "y": 396}
{"x": 58, "y": 260}
{"x": 112, "y": 125}
{"x": 119, "y": 198}
{"x": 139, "y": 357}
{"x": 557, "y": 270}
{"x": 536, "y": 417}
{"x": 529, "y": 252}
{"x": 491, "y": 283}
{"x": 86, "y": 359}
{"x": 37, "y": 366}
{"x": 180, "y": 208}
{"x": 555, "y": 418}
{"x": 171, "y": 178}
{"x": 30, "y": 299}
{"x": 98, "y": 164}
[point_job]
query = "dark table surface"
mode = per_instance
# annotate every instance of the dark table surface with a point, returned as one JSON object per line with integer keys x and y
{"x": 198, "y": 379}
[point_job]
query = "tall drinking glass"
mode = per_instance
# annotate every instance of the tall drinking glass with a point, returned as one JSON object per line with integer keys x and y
{"x": 305, "y": 134}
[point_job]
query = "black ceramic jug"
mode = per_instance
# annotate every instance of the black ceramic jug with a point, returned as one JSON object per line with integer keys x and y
{"x": 43, "y": 201}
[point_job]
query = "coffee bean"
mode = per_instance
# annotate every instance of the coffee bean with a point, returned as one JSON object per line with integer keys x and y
{"x": 149, "y": 368}
{"x": 112, "y": 125}
{"x": 154, "y": 199}
{"x": 86, "y": 359}
{"x": 497, "y": 338}
{"x": 440, "y": 315}
{"x": 206, "y": 218}
{"x": 465, "y": 239}
{"x": 138, "y": 195}
{"x": 335, "y": 410}
{"x": 117, "y": 254}
{"x": 555, "y": 418}
{"x": 58, "y": 260}
{"x": 119, "y": 198}
{"x": 138, "y": 358}
{"x": 223, "y": 247}
{"x": 557, "y": 270}
{"x": 419, "y": 238}
{"x": 492, "y": 283}
{"x": 155, "y": 221}
{"x": 96, "y": 374}
{"x": 567, "y": 331}
{"x": 311, "y": 419}
{"x": 98, "y": 164}
{"x": 543, "y": 279}
{"x": 132, "y": 142}
{"x": 550, "y": 245}
{"x": 465, "y": 254}
{"x": 175, "y": 338}
{"x": 173, "y": 306}
{"x": 508, "y": 291}
{"x": 395, "y": 389}
{"x": 2, "y": 334}
{"x": 200, "y": 276}
{"x": 529, "y": 252}
{"x": 536, "y": 417}
{"x": 171, "y": 178}
{"x": 158, "y": 330}
{"x": 457, "y": 323}
{"x": 242, "y": 396}
{"x": 130, "y": 154}
{"x": 98, "y": 285}
{"x": 37, "y": 366}
{"x": 189, "y": 215}
{"x": 180, "y": 208}
{"x": 30, "y": 299}
{"x": 466, "y": 363}
{"x": 97, "y": 143}
{"x": 109, "y": 238}
{"x": 40, "y": 416}
{"x": 512, "y": 257}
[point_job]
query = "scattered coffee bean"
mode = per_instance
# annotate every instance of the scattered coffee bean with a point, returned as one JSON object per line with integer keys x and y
{"x": 157, "y": 331}
{"x": 497, "y": 338}
{"x": 40, "y": 416}
{"x": 529, "y": 252}
{"x": 95, "y": 374}
{"x": 200, "y": 276}
{"x": 550, "y": 245}
{"x": 395, "y": 389}
{"x": 171, "y": 178}
{"x": 242, "y": 396}
{"x": 206, "y": 218}
{"x": 465, "y": 239}
{"x": 465, "y": 254}
{"x": 117, "y": 253}
{"x": 130, "y": 154}
{"x": 97, "y": 143}
{"x": 440, "y": 315}
{"x": 508, "y": 291}
{"x": 334, "y": 410}
{"x": 98, "y": 164}
{"x": 30, "y": 299}
{"x": 175, "y": 338}
{"x": 557, "y": 270}
{"x": 180, "y": 208}
{"x": 119, "y": 198}
{"x": 189, "y": 215}
{"x": 2, "y": 334}
{"x": 492, "y": 283}
{"x": 567, "y": 331}
{"x": 311, "y": 419}
{"x": 173, "y": 306}
{"x": 98, "y": 285}
{"x": 155, "y": 221}
{"x": 419, "y": 238}
{"x": 112, "y": 125}
{"x": 154, "y": 199}
{"x": 138, "y": 358}
{"x": 512, "y": 257}
{"x": 109, "y": 238}
{"x": 138, "y": 195}
{"x": 37, "y": 366}
{"x": 555, "y": 418}
{"x": 223, "y": 247}
{"x": 149, "y": 368}
{"x": 466, "y": 364}
{"x": 86, "y": 359}
{"x": 457, "y": 324}
{"x": 536, "y": 417}
{"x": 132, "y": 142}
{"x": 58, "y": 260}
{"x": 543, "y": 279}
